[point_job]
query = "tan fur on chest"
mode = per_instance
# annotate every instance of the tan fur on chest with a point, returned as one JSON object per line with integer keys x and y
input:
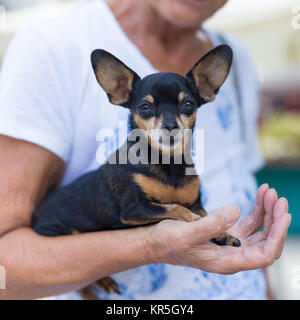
{"x": 164, "y": 193}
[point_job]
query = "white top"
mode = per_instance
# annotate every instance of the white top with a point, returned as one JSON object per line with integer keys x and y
{"x": 49, "y": 96}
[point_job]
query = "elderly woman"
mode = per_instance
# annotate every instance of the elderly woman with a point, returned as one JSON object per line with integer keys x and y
{"x": 51, "y": 109}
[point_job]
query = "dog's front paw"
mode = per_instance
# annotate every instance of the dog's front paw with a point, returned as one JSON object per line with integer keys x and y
{"x": 225, "y": 239}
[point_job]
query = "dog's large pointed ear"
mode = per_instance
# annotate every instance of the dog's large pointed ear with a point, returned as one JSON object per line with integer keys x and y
{"x": 210, "y": 72}
{"x": 114, "y": 76}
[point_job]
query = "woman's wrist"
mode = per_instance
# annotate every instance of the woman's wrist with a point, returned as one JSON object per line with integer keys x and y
{"x": 144, "y": 246}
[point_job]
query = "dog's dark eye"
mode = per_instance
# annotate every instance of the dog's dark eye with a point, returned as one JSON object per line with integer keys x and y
{"x": 145, "y": 107}
{"x": 188, "y": 105}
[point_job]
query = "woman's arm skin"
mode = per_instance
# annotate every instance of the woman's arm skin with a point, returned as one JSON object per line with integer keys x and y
{"x": 38, "y": 266}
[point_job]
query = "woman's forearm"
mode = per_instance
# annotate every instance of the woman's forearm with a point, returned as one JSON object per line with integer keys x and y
{"x": 39, "y": 266}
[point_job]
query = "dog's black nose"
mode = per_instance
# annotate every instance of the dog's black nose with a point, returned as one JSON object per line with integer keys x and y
{"x": 170, "y": 125}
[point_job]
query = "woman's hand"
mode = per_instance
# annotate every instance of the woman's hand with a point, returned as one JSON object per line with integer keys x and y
{"x": 188, "y": 244}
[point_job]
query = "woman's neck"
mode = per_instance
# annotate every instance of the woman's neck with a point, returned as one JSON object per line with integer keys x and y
{"x": 163, "y": 43}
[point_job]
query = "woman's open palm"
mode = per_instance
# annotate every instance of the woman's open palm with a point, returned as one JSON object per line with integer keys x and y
{"x": 183, "y": 243}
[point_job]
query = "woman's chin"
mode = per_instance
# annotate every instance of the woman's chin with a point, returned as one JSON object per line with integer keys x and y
{"x": 188, "y": 13}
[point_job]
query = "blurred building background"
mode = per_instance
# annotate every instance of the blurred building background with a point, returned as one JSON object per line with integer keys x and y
{"x": 271, "y": 32}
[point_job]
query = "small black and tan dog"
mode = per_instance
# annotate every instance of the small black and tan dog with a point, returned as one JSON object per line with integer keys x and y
{"x": 135, "y": 193}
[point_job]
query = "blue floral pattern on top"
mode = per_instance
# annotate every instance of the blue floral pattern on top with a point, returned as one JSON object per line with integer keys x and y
{"x": 170, "y": 282}
{"x": 224, "y": 113}
{"x": 203, "y": 196}
{"x": 148, "y": 280}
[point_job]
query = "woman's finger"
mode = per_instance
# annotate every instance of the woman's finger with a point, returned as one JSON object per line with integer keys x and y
{"x": 284, "y": 207}
{"x": 280, "y": 209}
{"x": 263, "y": 253}
{"x": 269, "y": 203}
{"x": 277, "y": 235}
{"x": 251, "y": 224}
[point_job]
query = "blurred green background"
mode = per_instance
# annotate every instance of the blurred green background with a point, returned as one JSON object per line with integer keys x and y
{"x": 286, "y": 182}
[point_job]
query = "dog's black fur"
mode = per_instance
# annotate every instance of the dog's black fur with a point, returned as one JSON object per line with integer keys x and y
{"x": 119, "y": 195}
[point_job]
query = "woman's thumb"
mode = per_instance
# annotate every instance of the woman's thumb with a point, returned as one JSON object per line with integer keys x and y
{"x": 213, "y": 224}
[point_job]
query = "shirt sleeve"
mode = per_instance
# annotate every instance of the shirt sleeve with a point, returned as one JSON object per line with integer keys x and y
{"x": 33, "y": 102}
{"x": 249, "y": 91}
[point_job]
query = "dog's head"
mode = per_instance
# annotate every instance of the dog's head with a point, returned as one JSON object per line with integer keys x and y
{"x": 163, "y": 105}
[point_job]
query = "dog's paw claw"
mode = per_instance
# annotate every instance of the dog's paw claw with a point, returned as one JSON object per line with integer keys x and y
{"x": 226, "y": 239}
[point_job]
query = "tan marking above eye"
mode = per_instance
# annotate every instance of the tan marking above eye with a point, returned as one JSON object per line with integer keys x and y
{"x": 182, "y": 95}
{"x": 167, "y": 194}
{"x": 149, "y": 98}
